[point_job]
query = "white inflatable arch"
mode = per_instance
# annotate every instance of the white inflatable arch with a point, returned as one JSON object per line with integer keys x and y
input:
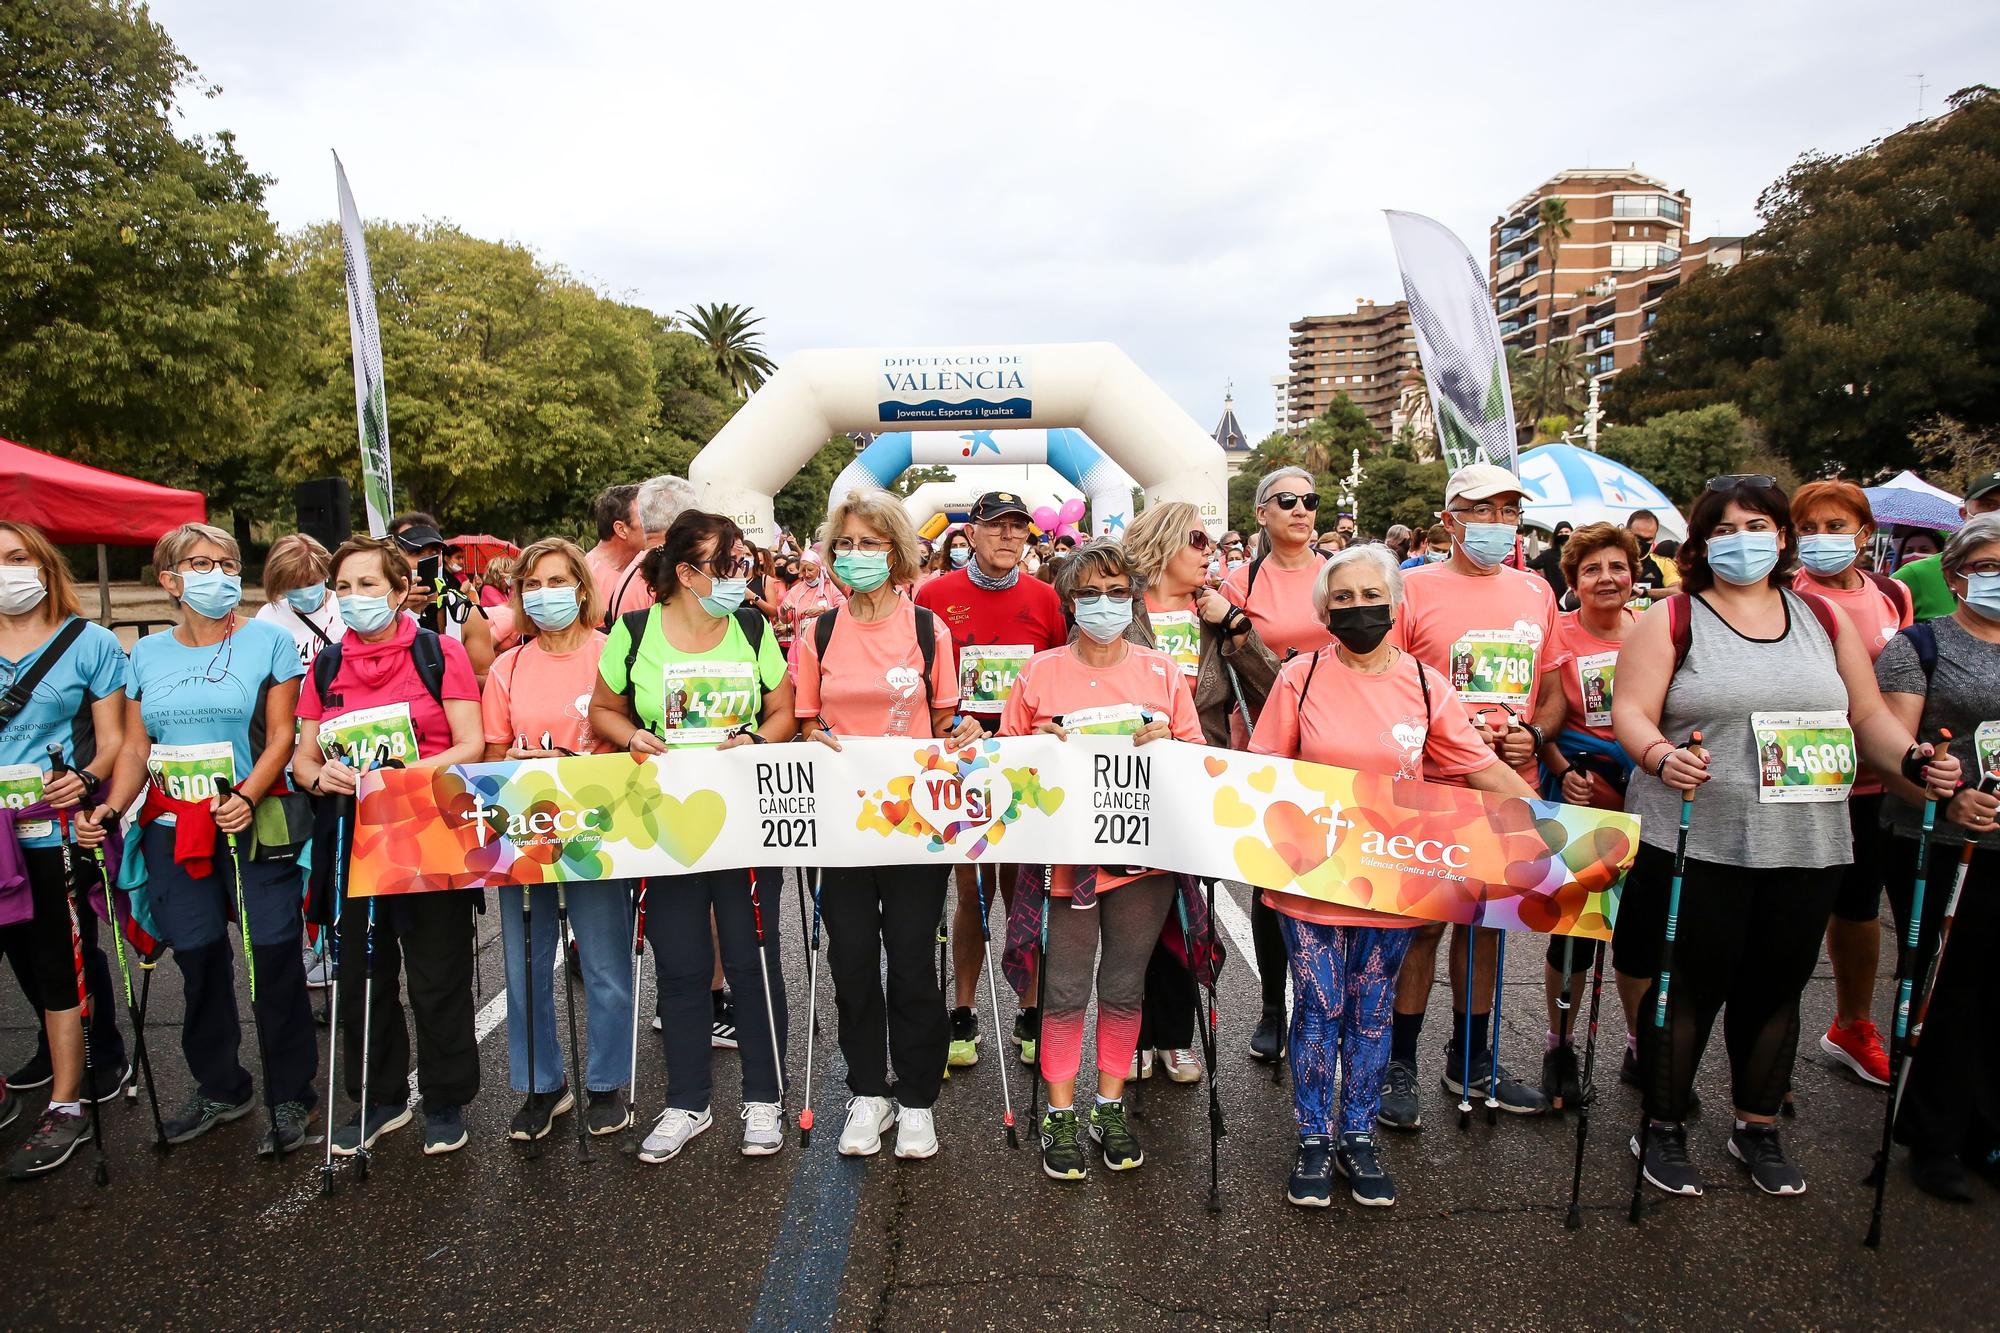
{"x": 1068, "y": 453}
{"x": 1094, "y": 387}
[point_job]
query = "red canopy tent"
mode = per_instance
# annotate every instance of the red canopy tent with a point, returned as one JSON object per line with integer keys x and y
{"x": 76, "y": 504}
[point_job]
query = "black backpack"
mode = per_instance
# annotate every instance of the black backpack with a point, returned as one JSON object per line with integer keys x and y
{"x": 748, "y": 618}
{"x": 426, "y": 651}
{"x": 926, "y": 640}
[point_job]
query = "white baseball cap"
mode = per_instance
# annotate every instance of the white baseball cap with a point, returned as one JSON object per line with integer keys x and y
{"x": 1481, "y": 481}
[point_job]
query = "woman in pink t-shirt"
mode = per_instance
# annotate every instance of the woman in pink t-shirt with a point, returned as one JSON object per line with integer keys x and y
{"x": 874, "y": 679}
{"x": 537, "y": 706}
{"x": 1359, "y": 704}
{"x": 1104, "y": 681}
{"x": 380, "y": 704}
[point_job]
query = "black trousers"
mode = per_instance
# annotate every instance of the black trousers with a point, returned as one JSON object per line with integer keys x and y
{"x": 39, "y": 951}
{"x": 1273, "y": 963}
{"x": 427, "y": 937}
{"x": 1166, "y": 1019}
{"x": 877, "y": 913}
{"x": 677, "y": 915}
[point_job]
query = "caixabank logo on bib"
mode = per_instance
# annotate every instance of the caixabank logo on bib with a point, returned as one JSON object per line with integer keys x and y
{"x": 952, "y": 387}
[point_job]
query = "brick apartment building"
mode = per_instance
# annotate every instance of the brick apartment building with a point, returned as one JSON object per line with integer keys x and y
{"x": 1364, "y": 354}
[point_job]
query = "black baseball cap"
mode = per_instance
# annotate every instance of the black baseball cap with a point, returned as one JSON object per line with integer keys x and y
{"x": 418, "y": 538}
{"x": 999, "y": 504}
{"x": 1983, "y": 486}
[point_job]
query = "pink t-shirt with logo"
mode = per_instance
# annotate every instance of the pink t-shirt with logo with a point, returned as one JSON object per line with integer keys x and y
{"x": 1574, "y": 653}
{"x": 872, "y": 681}
{"x": 802, "y": 604}
{"x": 1280, "y": 606}
{"x": 531, "y": 693}
{"x": 1371, "y": 724}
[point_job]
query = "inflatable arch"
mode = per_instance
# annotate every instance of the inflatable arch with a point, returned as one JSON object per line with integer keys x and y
{"x": 1093, "y": 387}
{"x": 1078, "y": 461}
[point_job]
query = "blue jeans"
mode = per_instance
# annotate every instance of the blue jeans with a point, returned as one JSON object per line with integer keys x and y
{"x": 601, "y": 915}
{"x": 1343, "y": 996}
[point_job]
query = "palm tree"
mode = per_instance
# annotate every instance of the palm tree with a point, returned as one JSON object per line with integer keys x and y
{"x": 726, "y": 329}
{"x": 1553, "y": 214}
{"x": 1551, "y": 382}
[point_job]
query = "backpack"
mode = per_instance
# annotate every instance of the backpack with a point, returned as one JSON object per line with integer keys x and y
{"x": 926, "y": 640}
{"x": 1899, "y": 594}
{"x": 1923, "y": 638}
{"x": 426, "y": 652}
{"x": 1680, "y": 620}
{"x": 748, "y": 618}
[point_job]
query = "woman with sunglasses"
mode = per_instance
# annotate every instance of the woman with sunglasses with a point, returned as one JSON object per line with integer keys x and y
{"x": 1274, "y": 593}
{"x": 1782, "y": 690}
{"x": 702, "y": 671}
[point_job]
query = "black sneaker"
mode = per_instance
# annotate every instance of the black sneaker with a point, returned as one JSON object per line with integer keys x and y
{"x": 1757, "y": 1147}
{"x": 606, "y": 1112}
{"x": 1267, "y": 1043}
{"x": 1401, "y": 1107}
{"x": 444, "y": 1129}
{"x": 1942, "y": 1176}
{"x": 1116, "y": 1143}
{"x": 292, "y": 1120}
{"x": 1562, "y": 1082}
{"x": 38, "y": 1072}
{"x": 1667, "y": 1166}
{"x": 722, "y": 1028}
{"x": 537, "y": 1115}
{"x": 1366, "y": 1180}
{"x": 1514, "y": 1096}
{"x": 55, "y": 1139}
{"x": 106, "y": 1084}
{"x": 202, "y": 1114}
{"x": 348, "y": 1140}
{"x": 1062, "y": 1150}
{"x": 1311, "y": 1185}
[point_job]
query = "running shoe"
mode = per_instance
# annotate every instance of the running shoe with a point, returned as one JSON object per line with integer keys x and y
{"x": 1757, "y": 1147}
{"x": 1401, "y": 1107}
{"x": 10, "y": 1107}
{"x": 722, "y": 1029}
{"x": 1942, "y": 1176}
{"x": 444, "y": 1130}
{"x": 1666, "y": 1165}
{"x": 1311, "y": 1185}
{"x": 202, "y": 1114}
{"x": 106, "y": 1084}
{"x": 1027, "y": 1034}
{"x": 1267, "y": 1043}
{"x": 55, "y": 1139}
{"x": 916, "y": 1133}
{"x": 1514, "y": 1096}
{"x": 292, "y": 1118}
{"x": 964, "y": 1049}
{"x": 319, "y": 969}
{"x": 348, "y": 1140}
{"x": 1142, "y": 1065}
{"x": 1181, "y": 1065}
{"x": 606, "y": 1112}
{"x": 538, "y": 1113}
{"x": 671, "y": 1132}
{"x": 1062, "y": 1149}
{"x": 1116, "y": 1143}
{"x": 763, "y": 1128}
{"x": 1562, "y": 1082}
{"x": 1366, "y": 1180}
{"x": 867, "y": 1119}
{"x": 36, "y": 1073}
{"x": 1860, "y": 1049}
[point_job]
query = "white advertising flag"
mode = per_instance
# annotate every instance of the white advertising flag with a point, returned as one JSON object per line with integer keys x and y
{"x": 371, "y": 404}
{"x": 1458, "y": 341}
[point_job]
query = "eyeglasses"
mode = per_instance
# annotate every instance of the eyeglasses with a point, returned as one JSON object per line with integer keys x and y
{"x": 1199, "y": 539}
{"x": 868, "y": 545}
{"x": 1489, "y": 513}
{"x": 1730, "y": 481}
{"x": 1984, "y": 569}
{"x": 1120, "y": 595}
{"x": 1288, "y": 501}
{"x": 725, "y": 567}
{"x": 201, "y": 564}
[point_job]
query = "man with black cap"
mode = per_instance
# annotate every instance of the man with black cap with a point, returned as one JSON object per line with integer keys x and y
{"x": 416, "y": 535}
{"x": 998, "y": 620}
{"x": 1925, "y": 578}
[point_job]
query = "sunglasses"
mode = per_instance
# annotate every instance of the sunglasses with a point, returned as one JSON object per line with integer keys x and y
{"x": 1198, "y": 539}
{"x": 1287, "y": 501}
{"x": 1730, "y": 481}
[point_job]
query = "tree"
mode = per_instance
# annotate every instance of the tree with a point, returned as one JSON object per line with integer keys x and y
{"x": 1953, "y": 453}
{"x": 727, "y": 329}
{"x": 1680, "y": 451}
{"x": 1399, "y": 490}
{"x": 1324, "y": 447}
{"x": 1869, "y": 302}
{"x": 142, "y": 308}
{"x": 907, "y": 484}
{"x": 1548, "y": 382}
{"x": 1553, "y": 214}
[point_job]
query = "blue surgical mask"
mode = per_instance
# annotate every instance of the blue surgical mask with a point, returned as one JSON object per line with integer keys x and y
{"x": 1487, "y": 544}
{"x": 1436, "y": 557}
{"x": 366, "y": 615}
{"x": 959, "y": 555}
{"x": 863, "y": 571}
{"x": 1743, "y": 558}
{"x": 550, "y": 608}
{"x": 1827, "y": 553}
{"x": 1102, "y": 618}
{"x": 213, "y": 594}
{"x": 727, "y": 595}
{"x": 308, "y": 599}
{"x": 1982, "y": 594}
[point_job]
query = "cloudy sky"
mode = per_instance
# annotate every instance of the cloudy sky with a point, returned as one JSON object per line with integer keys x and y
{"x": 1181, "y": 179}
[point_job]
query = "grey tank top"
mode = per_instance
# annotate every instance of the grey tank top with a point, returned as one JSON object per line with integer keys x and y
{"x": 1725, "y": 679}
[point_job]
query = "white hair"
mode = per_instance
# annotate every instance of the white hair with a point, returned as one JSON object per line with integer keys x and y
{"x": 1271, "y": 480}
{"x": 663, "y": 499}
{"x": 1370, "y": 553}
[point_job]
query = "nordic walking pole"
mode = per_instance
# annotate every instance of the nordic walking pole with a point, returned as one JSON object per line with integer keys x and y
{"x": 1565, "y": 1020}
{"x": 529, "y": 989}
{"x": 1201, "y": 1023}
{"x": 1465, "y": 1040}
{"x": 569, "y": 1004}
{"x": 812, "y": 1003}
{"x": 1493, "y": 1032}
{"x": 638, "y": 951}
{"x": 993, "y": 1001}
{"x": 224, "y": 790}
{"x": 139, "y": 1054}
{"x": 1666, "y": 977}
{"x": 764, "y": 965}
{"x": 1585, "y": 1089}
{"x": 362, "y": 1150}
{"x": 84, "y": 1015}
{"x": 341, "y": 808}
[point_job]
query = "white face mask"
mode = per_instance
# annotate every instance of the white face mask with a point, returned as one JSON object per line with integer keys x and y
{"x": 21, "y": 589}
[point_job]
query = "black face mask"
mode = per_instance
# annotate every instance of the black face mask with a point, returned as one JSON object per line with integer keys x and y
{"x": 1645, "y": 546}
{"x": 1562, "y": 540}
{"x": 1361, "y": 629}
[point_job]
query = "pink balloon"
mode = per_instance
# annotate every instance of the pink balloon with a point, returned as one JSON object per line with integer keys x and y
{"x": 1047, "y": 519}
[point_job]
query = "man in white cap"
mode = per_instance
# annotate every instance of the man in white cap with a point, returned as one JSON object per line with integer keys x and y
{"x": 1484, "y": 627}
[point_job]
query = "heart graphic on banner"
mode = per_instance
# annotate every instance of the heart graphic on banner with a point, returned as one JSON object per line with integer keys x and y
{"x": 953, "y": 804}
{"x": 1231, "y": 810}
{"x": 1264, "y": 779}
{"x": 688, "y": 828}
{"x": 895, "y": 812}
{"x": 1297, "y": 837}
{"x": 1214, "y": 766}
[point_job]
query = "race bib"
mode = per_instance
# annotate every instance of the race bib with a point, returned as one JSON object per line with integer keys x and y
{"x": 1803, "y": 757}
{"x": 1595, "y": 674}
{"x": 188, "y": 772}
{"x": 21, "y": 787}
{"x": 705, "y": 701}
{"x": 1110, "y": 720}
{"x": 1986, "y": 748}
{"x": 1494, "y": 666}
{"x": 366, "y": 737}
{"x": 986, "y": 674}
{"x": 1178, "y": 634}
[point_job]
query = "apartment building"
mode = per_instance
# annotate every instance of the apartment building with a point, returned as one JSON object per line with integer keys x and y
{"x": 1364, "y": 354}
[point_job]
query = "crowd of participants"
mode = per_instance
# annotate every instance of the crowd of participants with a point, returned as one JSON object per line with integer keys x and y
{"x": 213, "y": 764}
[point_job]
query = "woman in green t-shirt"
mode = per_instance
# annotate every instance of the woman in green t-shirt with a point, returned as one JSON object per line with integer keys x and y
{"x": 697, "y": 671}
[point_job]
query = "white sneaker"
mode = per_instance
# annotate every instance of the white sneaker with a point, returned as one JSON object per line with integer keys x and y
{"x": 867, "y": 1119}
{"x": 763, "y": 1128}
{"x": 1142, "y": 1065}
{"x": 1181, "y": 1065}
{"x": 916, "y": 1133}
{"x": 319, "y": 970}
{"x": 671, "y": 1133}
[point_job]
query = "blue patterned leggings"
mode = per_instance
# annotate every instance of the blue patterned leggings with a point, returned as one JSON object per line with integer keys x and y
{"x": 1344, "y": 992}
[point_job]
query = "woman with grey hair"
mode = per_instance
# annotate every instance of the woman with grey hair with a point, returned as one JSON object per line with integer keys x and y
{"x": 1275, "y": 595}
{"x": 1361, "y": 704}
{"x": 1938, "y": 675}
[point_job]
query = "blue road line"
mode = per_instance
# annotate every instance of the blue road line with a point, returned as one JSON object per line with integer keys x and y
{"x": 808, "y": 1263}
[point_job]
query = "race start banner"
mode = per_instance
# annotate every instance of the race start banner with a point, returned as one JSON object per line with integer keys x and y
{"x": 1358, "y": 839}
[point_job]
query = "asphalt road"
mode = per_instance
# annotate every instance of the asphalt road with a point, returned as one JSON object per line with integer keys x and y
{"x": 211, "y": 1237}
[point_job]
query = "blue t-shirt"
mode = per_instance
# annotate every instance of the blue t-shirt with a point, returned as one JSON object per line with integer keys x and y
{"x": 195, "y": 701}
{"x": 58, "y": 713}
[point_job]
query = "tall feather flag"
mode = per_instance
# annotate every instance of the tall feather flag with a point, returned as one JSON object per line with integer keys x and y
{"x": 371, "y": 403}
{"x": 1458, "y": 342}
